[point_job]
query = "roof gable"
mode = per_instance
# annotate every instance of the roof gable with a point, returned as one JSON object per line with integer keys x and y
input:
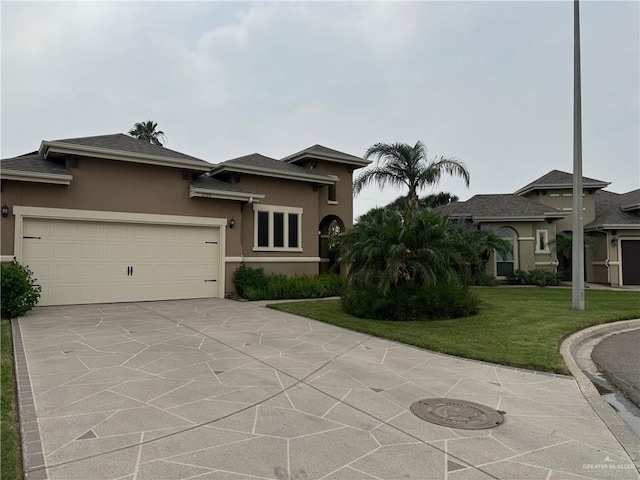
{"x": 321, "y": 152}
{"x": 557, "y": 179}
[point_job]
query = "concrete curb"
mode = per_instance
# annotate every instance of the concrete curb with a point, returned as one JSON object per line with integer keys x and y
{"x": 607, "y": 414}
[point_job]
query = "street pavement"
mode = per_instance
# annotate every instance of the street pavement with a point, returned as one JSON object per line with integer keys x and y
{"x": 217, "y": 389}
{"x": 618, "y": 357}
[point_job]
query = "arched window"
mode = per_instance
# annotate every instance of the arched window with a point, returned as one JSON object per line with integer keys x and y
{"x": 505, "y": 262}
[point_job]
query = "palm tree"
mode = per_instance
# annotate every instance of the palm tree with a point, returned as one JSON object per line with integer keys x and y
{"x": 385, "y": 249}
{"x": 400, "y": 164}
{"x": 430, "y": 201}
{"x": 147, "y": 131}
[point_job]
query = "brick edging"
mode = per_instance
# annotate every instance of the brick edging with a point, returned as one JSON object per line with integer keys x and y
{"x": 33, "y": 462}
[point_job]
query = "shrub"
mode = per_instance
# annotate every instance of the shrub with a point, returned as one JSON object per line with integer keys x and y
{"x": 410, "y": 301}
{"x": 255, "y": 284}
{"x": 19, "y": 291}
{"x": 245, "y": 278}
{"x": 538, "y": 276}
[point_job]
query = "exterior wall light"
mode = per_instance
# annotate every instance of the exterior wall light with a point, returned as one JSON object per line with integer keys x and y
{"x": 232, "y": 222}
{"x": 5, "y": 211}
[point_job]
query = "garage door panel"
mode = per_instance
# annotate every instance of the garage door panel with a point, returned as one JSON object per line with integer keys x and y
{"x": 32, "y": 248}
{"x": 90, "y": 230}
{"x": 93, "y": 250}
{"x": 630, "y": 262}
{"x": 63, "y": 273}
{"x": 37, "y": 227}
{"x": 90, "y": 262}
{"x": 117, "y": 231}
{"x": 91, "y": 271}
{"x": 66, "y": 229}
{"x": 65, "y": 250}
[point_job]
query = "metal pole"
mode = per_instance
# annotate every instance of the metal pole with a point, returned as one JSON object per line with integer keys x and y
{"x": 577, "y": 254}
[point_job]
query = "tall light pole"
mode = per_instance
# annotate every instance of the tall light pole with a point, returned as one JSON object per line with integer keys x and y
{"x": 577, "y": 254}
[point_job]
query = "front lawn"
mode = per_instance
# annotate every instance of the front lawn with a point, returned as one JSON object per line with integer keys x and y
{"x": 521, "y": 327}
{"x": 10, "y": 466}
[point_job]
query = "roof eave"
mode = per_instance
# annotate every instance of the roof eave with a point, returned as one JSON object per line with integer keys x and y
{"x": 236, "y": 168}
{"x": 37, "y": 177}
{"x": 613, "y": 226}
{"x": 71, "y": 149}
{"x": 516, "y": 218}
{"x": 223, "y": 194}
{"x": 359, "y": 163}
{"x": 559, "y": 186}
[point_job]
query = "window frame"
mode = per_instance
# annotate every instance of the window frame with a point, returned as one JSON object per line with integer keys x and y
{"x": 513, "y": 238}
{"x": 271, "y": 210}
{"x": 545, "y": 235}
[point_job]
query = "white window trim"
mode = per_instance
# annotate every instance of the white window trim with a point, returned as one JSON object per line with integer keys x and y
{"x": 271, "y": 209}
{"x": 544, "y": 233}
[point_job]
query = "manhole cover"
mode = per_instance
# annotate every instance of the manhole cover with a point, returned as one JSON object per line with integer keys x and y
{"x": 450, "y": 412}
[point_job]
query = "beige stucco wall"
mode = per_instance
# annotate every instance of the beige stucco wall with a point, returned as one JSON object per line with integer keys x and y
{"x": 525, "y": 255}
{"x": 109, "y": 185}
{"x": 562, "y": 199}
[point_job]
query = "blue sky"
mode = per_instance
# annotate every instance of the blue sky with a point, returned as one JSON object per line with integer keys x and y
{"x": 489, "y": 83}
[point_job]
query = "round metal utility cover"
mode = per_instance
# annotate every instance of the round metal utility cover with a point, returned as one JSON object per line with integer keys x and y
{"x": 451, "y": 412}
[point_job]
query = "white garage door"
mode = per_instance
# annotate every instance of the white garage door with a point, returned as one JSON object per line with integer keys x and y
{"x": 93, "y": 262}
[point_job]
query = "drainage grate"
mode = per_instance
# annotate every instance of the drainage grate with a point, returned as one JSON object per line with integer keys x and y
{"x": 451, "y": 412}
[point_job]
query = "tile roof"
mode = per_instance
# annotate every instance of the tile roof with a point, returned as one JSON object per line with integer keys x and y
{"x": 609, "y": 209}
{"x": 560, "y": 179}
{"x": 498, "y": 206}
{"x": 120, "y": 142}
{"x": 33, "y": 163}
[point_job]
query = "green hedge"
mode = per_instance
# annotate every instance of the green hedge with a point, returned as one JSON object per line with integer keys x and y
{"x": 255, "y": 284}
{"x": 538, "y": 276}
{"x": 19, "y": 291}
{"x": 411, "y": 301}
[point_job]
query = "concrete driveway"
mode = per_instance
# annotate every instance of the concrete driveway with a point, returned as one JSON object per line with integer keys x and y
{"x": 216, "y": 389}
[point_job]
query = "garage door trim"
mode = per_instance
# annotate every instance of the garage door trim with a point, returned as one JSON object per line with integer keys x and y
{"x": 22, "y": 212}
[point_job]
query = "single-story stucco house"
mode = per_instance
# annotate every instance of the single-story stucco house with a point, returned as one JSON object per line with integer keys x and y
{"x": 112, "y": 218}
{"x": 531, "y": 217}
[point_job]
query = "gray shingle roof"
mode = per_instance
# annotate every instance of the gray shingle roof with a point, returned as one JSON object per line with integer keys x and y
{"x": 323, "y": 151}
{"x": 271, "y": 165}
{"x": 609, "y": 209}
{"x": 560, "y": 179}
{"x": 498, "y": 206}
{"x": 33, "y": 163}
{"x": 205, "y": 181}
{"x": 120, "y": 142}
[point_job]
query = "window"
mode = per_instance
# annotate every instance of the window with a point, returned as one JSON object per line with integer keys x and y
{"x": 277, "y": 228}
{"x": 331, "y": 195}
{"x": 542, "y": 241}
{"x": 505, "y": 262}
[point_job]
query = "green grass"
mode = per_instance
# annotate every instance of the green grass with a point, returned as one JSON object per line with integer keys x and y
{"x": 520, "y": 327}
{"x": 10, "y": 466}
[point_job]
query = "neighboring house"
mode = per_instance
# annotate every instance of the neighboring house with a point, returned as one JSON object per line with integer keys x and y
{"x": 531, "y": 217}
{"x": 111, "y": 218}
